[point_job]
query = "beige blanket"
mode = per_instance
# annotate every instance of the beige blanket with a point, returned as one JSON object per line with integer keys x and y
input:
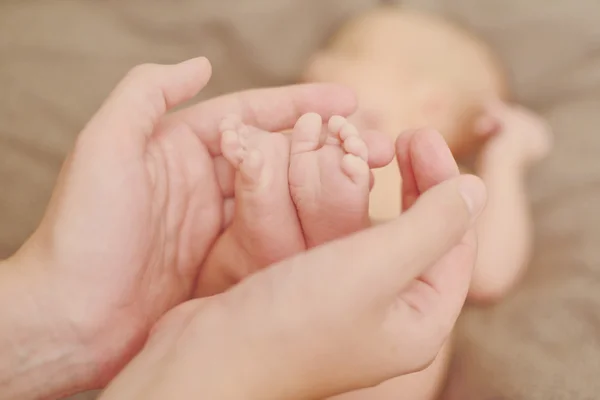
{"x": 59, "y": 59}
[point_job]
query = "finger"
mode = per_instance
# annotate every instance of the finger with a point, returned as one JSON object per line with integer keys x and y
{"x": 424, "y": 160}
{"x": 409, "y": 189}
{"x": 134, "y": 108}
{"x": 433, "y": 163}
{"x": 432, "y": 160}
{"x": 380, "y": 262}
{"x": 381, "y": 148}
{"x": 426, "y": 312}
{"x": 273, "y": 109}
{"x": 225, "y": 174}
{"x": 436, "y": 298}
{"x": 434, "y": 225}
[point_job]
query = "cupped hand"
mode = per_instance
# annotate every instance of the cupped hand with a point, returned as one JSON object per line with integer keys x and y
{"x": 346, "y": 315}
{"x": 140, "y": 201}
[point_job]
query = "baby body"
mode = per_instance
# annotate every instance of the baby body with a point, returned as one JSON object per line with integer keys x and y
{"x": 412, "y": 70}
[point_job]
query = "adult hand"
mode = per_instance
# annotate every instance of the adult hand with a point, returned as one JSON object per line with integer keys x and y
{"x": 136, "y": 207}
{"x": 346, "y": 315}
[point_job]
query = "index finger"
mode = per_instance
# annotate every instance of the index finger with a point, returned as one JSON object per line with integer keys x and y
{"x": 271, "y": 109}
{"x": 424, "y": 160}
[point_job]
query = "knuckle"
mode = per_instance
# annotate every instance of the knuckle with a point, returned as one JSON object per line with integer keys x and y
{"x": 414, "y": 346}
{"x": 431, "y": 347}
{"x": 424, "y": 363}
{"x": 141, "y": 73}
{"x": 407, "y": 362}
{"x": 143, "y": 70}
{"x": 142, "y": 86}
{"x": 454, "y": 213}
{"x": 440, "y": 217}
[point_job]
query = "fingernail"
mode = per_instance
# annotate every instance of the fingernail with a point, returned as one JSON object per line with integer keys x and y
{"x": 473, "y": 193}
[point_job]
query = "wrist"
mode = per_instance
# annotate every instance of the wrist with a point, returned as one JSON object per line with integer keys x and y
{"x": 223, "y": 359}
{"x": 203, "y": 347}
{"x": 192, "y": 350}
{"x": 266, "y": 360}
{"x": 42, "y": 355}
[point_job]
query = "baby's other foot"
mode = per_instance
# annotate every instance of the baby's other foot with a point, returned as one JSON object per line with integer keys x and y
{"x": 265, "y": 227}
{"x": 521, "y": 135}
{"x": 329, "y": 178}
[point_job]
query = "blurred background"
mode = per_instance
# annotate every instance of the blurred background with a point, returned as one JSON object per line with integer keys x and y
{"x": 60, "y": 58}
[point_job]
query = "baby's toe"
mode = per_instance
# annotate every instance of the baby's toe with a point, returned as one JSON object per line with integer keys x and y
{"x": 356, "y": 151}
{"x": 336, "y": 123}
{"x": 306, "y": 135}
{"x": 251, "y": 169}
{"x": 347, "y": 131}
{"x": 355, "y": 146}
{"x": 231, "y": 122}
{"x": 357, "y": 170}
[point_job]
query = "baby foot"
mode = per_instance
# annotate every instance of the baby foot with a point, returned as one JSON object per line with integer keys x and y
{"x": 265, "y": 227}
{"x": 329, "y": 178}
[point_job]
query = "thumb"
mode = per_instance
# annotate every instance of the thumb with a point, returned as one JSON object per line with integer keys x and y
{"x": 147, "y": 92}
{"x": 383, "y": 260}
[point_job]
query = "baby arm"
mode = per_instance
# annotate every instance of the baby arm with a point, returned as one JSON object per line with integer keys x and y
{"x": 505, "y": 228}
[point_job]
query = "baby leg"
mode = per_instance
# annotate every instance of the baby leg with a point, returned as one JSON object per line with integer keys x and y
{"x": 329, "y": 178}
{"x": 265, "y": 228}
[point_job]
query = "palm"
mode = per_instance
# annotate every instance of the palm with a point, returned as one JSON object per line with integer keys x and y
{"x": 176, "y": 209}
{"x": 153, "y": 217}
{"x": 139, "y": 201}
{"x": 184, "y": 214}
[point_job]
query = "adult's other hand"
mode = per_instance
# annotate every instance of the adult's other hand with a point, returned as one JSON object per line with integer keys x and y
{"x": 345, "y": 315}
